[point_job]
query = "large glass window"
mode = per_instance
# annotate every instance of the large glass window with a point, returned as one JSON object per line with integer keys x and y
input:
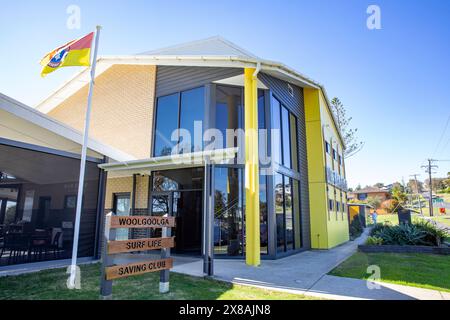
{"x": 284, "y": 149}
{"x": 279, "y": 212}
{"x": 276, "y": 126}
{"x": 285, "y": 140}
{"x": 294, "y": 145}
{"x": 36, "y": 218}
{"x": 166, "y": 124}
{"x": 296, "y": 213}
{"x": 179, "y": 111}
{"x": 179, "y": 179}
{"x": 229, "y": 110}
{"x": 289, "y": 217}
{"x": 191, "y": 110}
{"x": 264, "y": 230}
{"x": 287, "y": 213}
{"x": 228, "y": 212}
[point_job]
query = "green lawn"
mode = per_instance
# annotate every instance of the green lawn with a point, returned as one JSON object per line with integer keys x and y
{"x": 417, "y": 270}
{"x": 389, "y": 218}
{"x": 51, "y": 284}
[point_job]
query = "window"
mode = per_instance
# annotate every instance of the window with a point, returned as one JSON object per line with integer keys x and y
{"x": 121, "y": 207}
{"x": 334, "y": 154}
{"x": 362, "y": 196}
{"x": 327, "y": 147}
{"x": 294, "y": 146}
{"x": 337, "y": 206}
{"x": 263, "y": 145}
{"x": 276, "y": 125}
{"x": 261, "y": 110}
{"x": 289, "y": 217}
{"x": 70, "y": 202}
{"x": 340, "y": 160}
{"x": 229, "y": 111}
{"x": 279, "y": 212}
{"x": 228, "y": 212}
{"x": 179, "y": 111}
{"x": 330, "y": 205}
{"x": 287, "y": 212}
{"x": 166, "y": 124}
{"x": 285, "y": 141}
{"x": 178, "y": 179}
{"x": 192, "y": 109}
{"x": 285, "y": 150}
{"x": 264, "y": 230}
{"x": 35, "y": 203}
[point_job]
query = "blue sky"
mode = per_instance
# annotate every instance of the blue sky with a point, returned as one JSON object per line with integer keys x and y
{"x": 394, "y": 81}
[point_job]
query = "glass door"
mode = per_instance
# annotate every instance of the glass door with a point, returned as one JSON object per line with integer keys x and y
{"x": 122, "y": 208}
{"x": 161, "y": 205}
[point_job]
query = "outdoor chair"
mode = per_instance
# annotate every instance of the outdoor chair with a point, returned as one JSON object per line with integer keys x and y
{"x": 54, "y": 245}
{"x": 17, "y": 244}
{"x": 39, "y": 244}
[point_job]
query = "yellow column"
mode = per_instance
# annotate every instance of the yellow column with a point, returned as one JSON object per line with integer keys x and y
{"x": 252, "y": 219}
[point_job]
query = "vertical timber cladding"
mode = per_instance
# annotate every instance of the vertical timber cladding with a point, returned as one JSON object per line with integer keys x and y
{"x": 296, "y": 105}
{"x": 124, "y": 246}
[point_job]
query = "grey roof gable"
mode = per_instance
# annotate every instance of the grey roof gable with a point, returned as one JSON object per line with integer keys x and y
{"x": 210, "y": 46}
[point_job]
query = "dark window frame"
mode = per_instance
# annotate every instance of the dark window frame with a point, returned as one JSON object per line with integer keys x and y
{"x": 155, "y": 112}
{"x": 288, "y": 127}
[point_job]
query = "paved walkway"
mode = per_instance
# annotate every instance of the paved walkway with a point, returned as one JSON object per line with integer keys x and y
{"x": 306, "y": 273}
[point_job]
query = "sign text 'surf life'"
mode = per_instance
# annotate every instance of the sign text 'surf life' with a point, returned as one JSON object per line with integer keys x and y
{"x": 140, "y": 245}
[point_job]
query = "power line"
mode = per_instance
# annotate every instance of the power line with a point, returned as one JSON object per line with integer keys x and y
{"x": 442, "y": 135}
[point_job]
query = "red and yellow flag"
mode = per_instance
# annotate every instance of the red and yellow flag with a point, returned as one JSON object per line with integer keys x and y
{"x": 73, "y": 53}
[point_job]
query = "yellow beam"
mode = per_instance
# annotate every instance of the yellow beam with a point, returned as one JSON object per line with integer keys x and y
{"x": 252, "y": 219}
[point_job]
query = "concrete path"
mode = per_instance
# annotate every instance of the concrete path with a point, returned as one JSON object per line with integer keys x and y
{"x": 306, "y": 273}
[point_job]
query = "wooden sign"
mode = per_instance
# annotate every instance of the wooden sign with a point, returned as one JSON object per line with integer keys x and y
{"x": 142, "y": 222}
{"x": 110, "y": 271}
{"x": 135, "y": 269}
{"x": 140, "y": 245}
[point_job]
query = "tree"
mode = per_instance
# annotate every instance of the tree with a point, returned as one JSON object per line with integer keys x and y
{"x": 412, "y": 186}
{"x": 437, "y": 183}
{"x": 374, "y": 201}
{"x": 399, "y": 194}
{"x": 358, "y": 187}
{"x": 352, "y": 144}
{"x": 379, "y": 185}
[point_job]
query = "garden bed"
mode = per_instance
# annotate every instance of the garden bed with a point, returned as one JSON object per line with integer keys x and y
{"x": 404, "y": 249}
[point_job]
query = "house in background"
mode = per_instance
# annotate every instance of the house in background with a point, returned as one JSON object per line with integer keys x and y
{"x": 367, "y": 192}
{"x": 140, "y": 100}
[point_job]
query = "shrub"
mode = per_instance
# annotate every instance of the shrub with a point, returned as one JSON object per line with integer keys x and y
{"x": 355, "y": 227}
{"x": 418, "y": 233}
{"x": 374, "y": 241}
{"x": 434, "y": 235}
{"x": 377, "y": 228}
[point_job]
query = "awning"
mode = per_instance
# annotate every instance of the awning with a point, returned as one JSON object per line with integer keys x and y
{"x": 176, "y": 161}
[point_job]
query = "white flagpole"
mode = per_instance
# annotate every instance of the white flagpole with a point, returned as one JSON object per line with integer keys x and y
{"x": 73, "y": 269}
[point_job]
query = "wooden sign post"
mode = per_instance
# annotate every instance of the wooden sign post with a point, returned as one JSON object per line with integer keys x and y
{"x": 110, "y": 271}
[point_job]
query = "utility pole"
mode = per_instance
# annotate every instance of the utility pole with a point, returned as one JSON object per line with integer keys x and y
{"x": 428, "y": 169}
{"x": 418, "y": 193}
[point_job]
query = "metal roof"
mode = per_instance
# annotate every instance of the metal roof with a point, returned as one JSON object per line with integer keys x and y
{"x": 210, "y": 46}
{"x": 211, "y": 52}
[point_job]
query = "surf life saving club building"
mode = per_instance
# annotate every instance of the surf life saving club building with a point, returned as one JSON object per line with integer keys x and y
{"x": 252, "y": 195}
